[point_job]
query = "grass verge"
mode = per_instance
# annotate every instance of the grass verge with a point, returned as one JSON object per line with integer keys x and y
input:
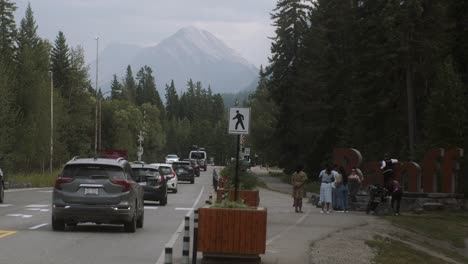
{"x": 32, "y": 179}
{"x": 448, "y": 226}
{"x": 389, "y": 251}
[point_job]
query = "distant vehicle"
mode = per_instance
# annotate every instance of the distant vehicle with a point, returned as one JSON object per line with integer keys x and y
{"x": 171, "y": 158}
{"x": 200, "y": 157}
{"x": 153, "y": 183}
{"x": 2, "y": 186}
{"x": 184, "y": 171}
{"x": 169, "y": 174}
{"x": 97, "y": 190}
{"x": 195, "y": 166}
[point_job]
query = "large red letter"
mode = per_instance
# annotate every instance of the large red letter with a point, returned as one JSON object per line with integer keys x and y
{"x": 409, "y": 175}
{"x": 430, "y": 167}
{"x": 450, "y": 168}
{"x": 347, "y": 158}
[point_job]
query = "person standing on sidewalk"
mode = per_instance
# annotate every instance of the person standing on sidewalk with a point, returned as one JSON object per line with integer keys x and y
{"x": 354, "y": 184}
{"x": 326, "y": 176}
{"x": 341, "y": 183}
{"x": 298, "y": 180}
{"x": 397, "y": 194}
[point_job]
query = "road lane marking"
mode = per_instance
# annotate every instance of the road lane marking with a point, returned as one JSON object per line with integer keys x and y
{"x": 5, "y": 205}
{"x": 179, "y": 229}
{"x": 38, "y": 209}
{"x": 183, "y": 209}
{"x": 38, "y": 226}
{"x": 151, "y": 207}
{"x": 269, "y": 241}
{"x": 37, "y": 205}
{"x": 4, "y": 233}
{"x": 20, "y": 215}
{"x": 22, "y": 190}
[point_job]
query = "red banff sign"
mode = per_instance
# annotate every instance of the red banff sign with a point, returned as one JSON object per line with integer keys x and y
{"x": 439, "y": 172}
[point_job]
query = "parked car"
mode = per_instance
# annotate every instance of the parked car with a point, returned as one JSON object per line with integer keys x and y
{"x": 184, "y": 171}
{"x": 200, "y": 156}
{"x": 169, "y": 174}
{"x": 154, "y": 184}
{"x": 2, "y": 186}
{"x": 97, "y": 190}
{"x": 195, "y": 166}
{"x": 171, "y": 158}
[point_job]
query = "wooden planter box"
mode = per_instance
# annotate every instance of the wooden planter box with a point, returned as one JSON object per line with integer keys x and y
{"x": 250, "y": 197}
{"x": 232, "y": 231}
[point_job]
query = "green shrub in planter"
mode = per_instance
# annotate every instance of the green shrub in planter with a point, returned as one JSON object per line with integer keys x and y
{"x": 247, "y": 181}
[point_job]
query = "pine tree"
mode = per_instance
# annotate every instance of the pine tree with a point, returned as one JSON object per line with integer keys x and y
{"x": 8, "y": 32}
{"x": 129, "y": 86}
{"x": 116, "y": 88}
{"x": 60, "y": 59}
{"x": 172, "y": 102}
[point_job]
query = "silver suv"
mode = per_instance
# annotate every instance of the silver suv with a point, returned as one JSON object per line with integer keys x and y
{"x": 97, "y": 190}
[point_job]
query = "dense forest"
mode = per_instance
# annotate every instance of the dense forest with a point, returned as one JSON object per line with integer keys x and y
{"x": 31, "y": 68}
{"x": 375, "y": 75}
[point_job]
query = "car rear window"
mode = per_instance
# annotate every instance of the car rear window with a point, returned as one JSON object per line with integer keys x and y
{"x": 141, "y": 174}
{"x": 165, "y": 170}
{"x": 177, "y": 165}
{"x": 197, "y": 155}
{"x": 93, "y": 171}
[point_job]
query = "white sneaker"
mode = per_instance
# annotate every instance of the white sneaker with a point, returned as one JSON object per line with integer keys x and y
{"x": 321, "y": 211}
{"x": 328, "y": 212}
{"x": 346, "y": 211}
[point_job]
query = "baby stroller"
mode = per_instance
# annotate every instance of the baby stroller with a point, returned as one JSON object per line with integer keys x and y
{"x": 376, "y": 196}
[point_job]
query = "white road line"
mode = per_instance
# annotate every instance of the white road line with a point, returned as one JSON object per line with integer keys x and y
{"x": 5, "y": 205}
{"x": 269, "y": 241}
{"x": 38, "y": 226}
{"x": 38, "y": 209}
{"x": 20, "y": 215}
{"x": 179, "y": 229}
{"x": 22, "y": 190}
{"x": 37, "y": 205}
{"x": 45, "y": 191}
{"x": 151, "y": 207}
{"x": 183, "y": 209}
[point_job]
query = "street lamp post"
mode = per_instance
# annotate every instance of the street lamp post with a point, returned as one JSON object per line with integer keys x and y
{"x": 51, "y": 120}
{"x": 97, "y": 103}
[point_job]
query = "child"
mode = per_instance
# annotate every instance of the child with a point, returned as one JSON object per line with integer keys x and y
{"x": 397, "y": 194}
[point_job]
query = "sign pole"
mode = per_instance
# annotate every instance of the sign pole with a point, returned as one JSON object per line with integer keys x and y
{"x": 236, "y": 177}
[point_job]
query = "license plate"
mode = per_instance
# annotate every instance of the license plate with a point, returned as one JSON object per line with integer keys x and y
{"x": 91, "y": 191}
{"x": 142, "y": 183}
{"x": 180, "y": 170}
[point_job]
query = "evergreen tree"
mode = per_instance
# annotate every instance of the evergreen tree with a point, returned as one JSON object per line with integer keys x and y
{"x": 129, "y": 86}
{"x": 7, "y": 32}
{"x": 60, "y": 59}
{"x": 116, "y": 88}
{"x": 172, "y": 102}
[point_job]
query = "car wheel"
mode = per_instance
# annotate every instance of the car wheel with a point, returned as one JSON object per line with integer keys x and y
{"x": 58, "y": 225}
{"x": 141, "y": 220}
{"x": 72, "y": 224}
{"x": 2, "y": 192}
{"x": 132, "y": 225}
{"x": 175, "y": 190}
{"x": 163, "y": 202}
{"x": 192, "y": 181}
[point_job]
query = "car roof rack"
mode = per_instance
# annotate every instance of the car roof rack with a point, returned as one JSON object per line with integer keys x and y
{"x": 75, "y": 157}
{"x": 119, "y": 159}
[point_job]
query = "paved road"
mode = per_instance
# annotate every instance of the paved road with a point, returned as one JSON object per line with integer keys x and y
{"x": 26, "y": 235}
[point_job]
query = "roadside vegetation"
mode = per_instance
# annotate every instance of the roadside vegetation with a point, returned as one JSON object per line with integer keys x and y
{"x": 247, "y": 180}
{"x": 442, "y": 233}
{"x": 31, "y": 180}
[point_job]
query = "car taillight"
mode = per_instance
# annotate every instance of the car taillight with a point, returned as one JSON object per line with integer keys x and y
{"x": 124, "y": 183}
{"x": 172, "y": 175}
{"x": 61, "y": 180}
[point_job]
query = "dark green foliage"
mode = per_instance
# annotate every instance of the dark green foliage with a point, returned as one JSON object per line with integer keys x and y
{"x": 247, "y": 180}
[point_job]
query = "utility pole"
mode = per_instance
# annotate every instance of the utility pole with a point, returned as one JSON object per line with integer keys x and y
{"x": 97, "y": 100}
{"x": 51, "y": 121}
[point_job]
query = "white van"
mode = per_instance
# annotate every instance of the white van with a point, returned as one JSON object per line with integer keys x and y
{"x": 200, "y": 157}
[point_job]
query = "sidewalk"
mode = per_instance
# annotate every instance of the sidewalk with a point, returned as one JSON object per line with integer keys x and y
{"x": 289, "y": 234}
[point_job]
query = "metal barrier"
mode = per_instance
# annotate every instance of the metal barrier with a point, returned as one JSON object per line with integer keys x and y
{"x": 186, "y": 242}
{"x": 195, "y": 237}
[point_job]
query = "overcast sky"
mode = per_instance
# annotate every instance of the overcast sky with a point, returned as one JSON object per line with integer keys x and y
{"x": 244, "y": 25}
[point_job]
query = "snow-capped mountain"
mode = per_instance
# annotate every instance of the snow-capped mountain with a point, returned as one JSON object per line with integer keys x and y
{"x": 189, "y": 53}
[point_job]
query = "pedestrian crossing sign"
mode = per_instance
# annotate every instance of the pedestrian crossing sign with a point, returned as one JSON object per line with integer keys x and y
{"x": 239, "y": 120}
